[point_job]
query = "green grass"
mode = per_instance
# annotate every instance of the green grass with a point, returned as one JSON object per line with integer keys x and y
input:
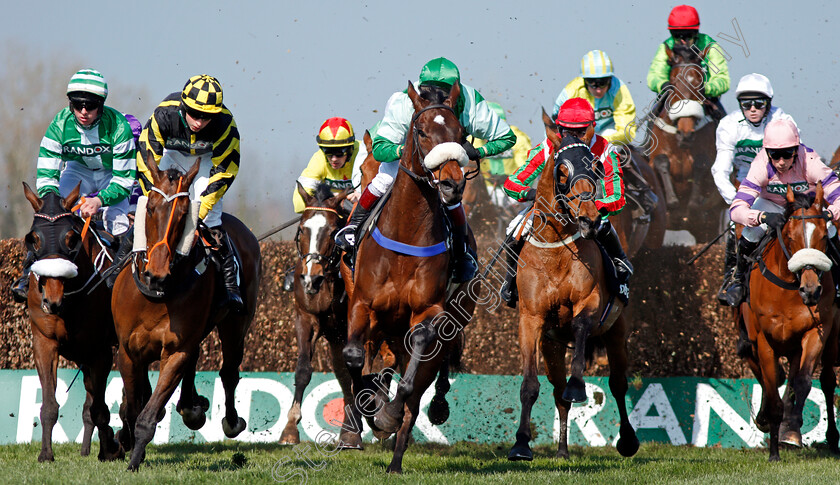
{"x": 462, "y": 463}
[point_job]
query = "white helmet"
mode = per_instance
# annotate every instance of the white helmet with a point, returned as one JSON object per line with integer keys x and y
{"x": 754, "y": 83}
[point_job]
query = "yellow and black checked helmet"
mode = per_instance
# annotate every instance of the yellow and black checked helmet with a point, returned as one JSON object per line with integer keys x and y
{"x": 203, "y": 93}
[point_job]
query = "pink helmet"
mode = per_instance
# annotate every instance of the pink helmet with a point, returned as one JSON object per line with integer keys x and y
{"x": 781, "y": 134}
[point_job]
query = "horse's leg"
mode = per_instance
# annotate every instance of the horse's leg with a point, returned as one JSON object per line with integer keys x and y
{"x": 191, "y": 406}
{"x": 790, "y": 430}
{"x": 529, "y": 335}
{"x": 135, "y": 379}
{"x": 354, "y": 355}
{"x": 575, "y": 389}
{"x": 828, "y": 383}
{"x": 350, "y": 437}
{"x": 96, "y": 380}
{"x": 699, "y": 171}
{"x": 172, "y": 368}
{"x": 232, "y": 331}
{"x": 439, "y": 408}
{"x": 422, "y": 335}
{"x": 87, "y": 424}
{"x": 616, "y": 342}
{"x": 46, "y": 362}
{"x": 305, "y": 325}
{"x": 663, "y": 167}
{"x": 422, "y": 380}
{"x": 801, "y": 375}
{"x": 772, "y": 403}
{"x": 554, "y": 354}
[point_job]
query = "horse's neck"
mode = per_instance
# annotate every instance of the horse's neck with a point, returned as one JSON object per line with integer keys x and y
{"x": 412, "y": 212}
{"x": 558, "y": 221}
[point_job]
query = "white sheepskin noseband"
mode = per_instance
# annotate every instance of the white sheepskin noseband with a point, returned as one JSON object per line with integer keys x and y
{"x": 55, "y": 268}
{"x": 443, "y": 153}
{"x": 809, "y": 257}
{"x": 685, "y": 109}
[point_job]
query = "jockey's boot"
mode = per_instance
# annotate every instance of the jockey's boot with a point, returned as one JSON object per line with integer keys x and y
{"x": 126, "y": 244}
{"x": 227, "y": 261}
{"x": 508, "y": 292}
{"x": 345, "y": 238}
{"x": 612, "y": 244}
{"x": 737, "y": 290}
{"x": 465, "y": 266}
{"x": 730, "y": 259}
{"x": 20, "y": 288}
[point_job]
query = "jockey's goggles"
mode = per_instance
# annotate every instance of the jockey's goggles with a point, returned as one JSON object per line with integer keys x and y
{"x": 199, "y": 115}
{"x": 79, "y": 104}
{"x": 749, "y": 103}
{"x": 598, "y": 82}
{"x": 780, "y": 153}
{"x": 686, "y": 35}
{"x": 336, "y": 152}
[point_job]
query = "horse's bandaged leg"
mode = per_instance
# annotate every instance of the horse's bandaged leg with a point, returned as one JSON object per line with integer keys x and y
{"x": 140, "y": 225}
{"x": 188, "y": 236}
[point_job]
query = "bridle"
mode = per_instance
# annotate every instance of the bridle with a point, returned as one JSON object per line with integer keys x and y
{"x": 167, "y": 198}
{"x": 329, "y": 262}
{"x": 775, "y": 279}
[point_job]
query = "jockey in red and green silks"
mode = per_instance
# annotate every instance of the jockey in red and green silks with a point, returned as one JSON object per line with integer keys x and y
{"x": 478, "y": 121}
{"x": 684, "y": 26}
{"x": 576, "y": 118}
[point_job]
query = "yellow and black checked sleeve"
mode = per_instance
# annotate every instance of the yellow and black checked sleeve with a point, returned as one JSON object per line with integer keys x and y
{"x": 225, "y": 165}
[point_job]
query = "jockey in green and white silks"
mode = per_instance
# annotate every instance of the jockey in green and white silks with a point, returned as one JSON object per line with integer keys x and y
{"x": 477, "y": 119}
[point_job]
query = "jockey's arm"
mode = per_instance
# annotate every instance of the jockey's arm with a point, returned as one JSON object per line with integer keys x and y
{"x": 817, "y": 171}
{"x": 314, "y": 173}
{"x": 49, "y": 159}
{"x": 725, "y": 160}
{"x": 390, "y": 137}
{"x": 740, "y": 210}
{"x": 519, "y": 183}
{"x": 659, "y": 72}
{"x": 151, "y": 142}
{"x": 716, "y": 66}
{"x": 123, "y": 165}
{"x": 484, "y": 123}
{"x": 225, "y": 167}
{"x": 612, "y": 186}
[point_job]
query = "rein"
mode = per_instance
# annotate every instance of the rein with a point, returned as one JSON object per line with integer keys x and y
{"x": 330, "y": 263}
{"x": 168, "y": 198}
{"x": 774, "y": 278}
{"x": 429, "y": 178}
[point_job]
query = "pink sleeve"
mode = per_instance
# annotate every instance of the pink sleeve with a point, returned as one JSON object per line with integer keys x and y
{"x": 817, "y": 171}
{"x": 750, "y": 189}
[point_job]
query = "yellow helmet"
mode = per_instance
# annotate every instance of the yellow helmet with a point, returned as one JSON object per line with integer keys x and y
{"x": 203, "y": 93}
{"x": 335, "y": 132}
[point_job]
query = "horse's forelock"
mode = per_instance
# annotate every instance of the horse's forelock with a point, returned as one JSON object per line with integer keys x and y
{"x": 686, "y": 53}
{"x": 802, "y": 201}
{"x": 322, "y": 193}
{"x": 433, "y": 94}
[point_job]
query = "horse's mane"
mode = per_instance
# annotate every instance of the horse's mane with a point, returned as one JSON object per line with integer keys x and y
{"x": 173, "y": 174}
{"x": 435, "y": 94}
{"x": 800, "y": 201}
{"x": 322, "y": 193}
{"x": 686, "y": 53}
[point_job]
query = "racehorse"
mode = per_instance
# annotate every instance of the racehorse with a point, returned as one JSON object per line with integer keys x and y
{"x": 321, "y": 307}
{"x": 791, "y": 313}
{"x": 70, "y": 315}
{"x": 634, "y": 230}
{"x": 681, "y": 146}
{"x": 401, "y": 295}
{"x": 163, "y": 309}
{"x": 564, "y": 295}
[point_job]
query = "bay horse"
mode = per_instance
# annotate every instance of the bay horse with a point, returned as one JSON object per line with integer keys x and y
{"x": 70, "y": 315}
{"x": 634, "y": 230}
{"x": 401, "y": 296}
{"x": 163, "y": 309}
{"x": 321, "y": 307}
{"x": 681, "y": 145}
{"x": 564, "y": 295}
{"x": 791, "y": 313}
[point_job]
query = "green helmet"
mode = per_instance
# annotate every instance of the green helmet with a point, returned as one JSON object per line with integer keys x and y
{"x": 497, "y": 108}
{"x": 440, "y": 72}
{"x": 88, "y": 81}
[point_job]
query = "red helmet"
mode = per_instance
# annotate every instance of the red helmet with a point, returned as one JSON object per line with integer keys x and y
{"x": 684, "y": 17}
{"x": 575, "y": 113}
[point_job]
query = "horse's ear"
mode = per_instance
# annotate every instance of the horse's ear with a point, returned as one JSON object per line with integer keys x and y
{"x": 454, "y": 94}
{"x": 153, "y": 168}
{"x": 192, "y": 172}
{"x": 308, "y": 200}
{"x": 368, "y": 142}
{"x": 72, "y": 197}
{"x": 669, "y": 53}
{"x": 789, "y": 195}
{"x": 33, "y": 198}
{"x": 413, "y": 96}
{"x": 550, "y": 129}
{"x": 819, "y": 201}
{"x": 547, "y": 121}
{"x": 343, "y": 195}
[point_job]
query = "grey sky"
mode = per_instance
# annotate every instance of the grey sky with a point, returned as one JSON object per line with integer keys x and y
{"x": 287, "y": 66}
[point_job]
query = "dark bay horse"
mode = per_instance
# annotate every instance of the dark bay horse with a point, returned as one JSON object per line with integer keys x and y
{"x": 681, "y": 146}
{"x": 564, "y": 295}
{"x": 321, "y": 307}
{"x": 791, "y": 313}
{"x": 403, "y": 297}
{"x": 163, "y": 309}
{"x": 70, "y": 315}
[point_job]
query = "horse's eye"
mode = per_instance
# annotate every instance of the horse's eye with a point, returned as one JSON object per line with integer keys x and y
{"x": 71, "y": 238}
{"x": 33, "y": 241}
{"x": 421, "y": 133}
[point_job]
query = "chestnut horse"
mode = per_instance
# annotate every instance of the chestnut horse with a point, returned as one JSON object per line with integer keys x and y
{"x": 564, "y": 295}
{"x": 681, "y": 146}
{"x": 402, "y": 296}
{"x": 163, "y": 309}
{"x": 791, "y": 313}
{"x": 321, "y": 307}
{"x": 70, "y": 315}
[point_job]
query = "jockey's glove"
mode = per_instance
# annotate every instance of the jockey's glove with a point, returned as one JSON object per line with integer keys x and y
{"x": 472, "y": 152}
{"x": 773, "y": 220}
{"x": 530, "y": 195}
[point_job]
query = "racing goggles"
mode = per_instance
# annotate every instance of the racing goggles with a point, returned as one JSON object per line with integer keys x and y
{"x": 780, "y": 153}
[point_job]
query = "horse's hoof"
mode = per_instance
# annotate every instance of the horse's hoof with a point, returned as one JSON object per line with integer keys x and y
{"x": 627, "y": 447}
{"x": 521, "y": 453}
{"x": 390, "y": 417}
{"x": 575, "y": 390}
{"x": 350, "y": 441}
{"x": 397, "y": 469}
{"x": 438, "y": 410}
{"x": 562, "y": 454}
{"x": 194, "y": 417}
{"x": 791, "y": 438}
{"x": 85, "y": 451}
{"x": 203, "y": 402}
{"x": 775, "y": 457}
{"x": 116, "y": 452}
{"x": 761, "y": 424}
{"x": 233, "y": 431}
{"x": 124, "y": 439}
{"x": 290, "y": 436}
{"x": 381, "y": 435}
{"x": 46, "y": 456}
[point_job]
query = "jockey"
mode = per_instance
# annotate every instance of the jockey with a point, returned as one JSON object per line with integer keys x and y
{"x": 477, "y": 119}
{"x": 760, "y": 201}
{"x": 575, "y": 118}
{"x": 684, "y": 26}
{"x": 186, "y": 125}
{"x": 503, "y": 164}
{"x": 615, "y": 113}
{"x": 94, "y": 144}
{"x": 739, "y": 139}
{"x": 333, "y": 163}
